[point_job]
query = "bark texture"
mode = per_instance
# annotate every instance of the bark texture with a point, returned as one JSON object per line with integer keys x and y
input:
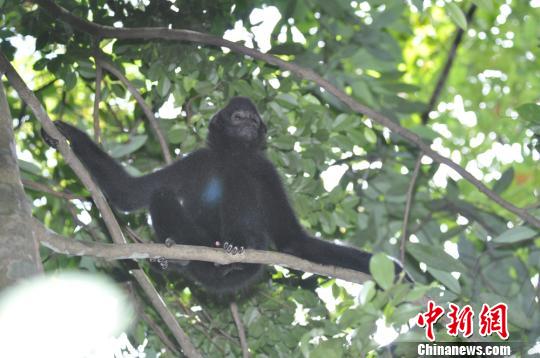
{"x": 19, "y": 254}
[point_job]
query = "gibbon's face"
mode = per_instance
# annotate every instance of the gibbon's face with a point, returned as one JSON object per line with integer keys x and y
{"x": 244, "y": 124}
{"x": 240, "y": 121}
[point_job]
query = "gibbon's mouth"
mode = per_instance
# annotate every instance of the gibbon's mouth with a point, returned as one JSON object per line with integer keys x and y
{"x": 247, "y": 131}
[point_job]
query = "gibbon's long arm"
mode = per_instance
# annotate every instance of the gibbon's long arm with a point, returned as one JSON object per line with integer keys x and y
{"x": 290, "y": 237}
{"x": 125, "y": 192}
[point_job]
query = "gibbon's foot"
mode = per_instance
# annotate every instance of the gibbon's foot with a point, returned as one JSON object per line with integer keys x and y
{"x": 67, "y": 131}
{"x": 233, "y": 250}
{"x": 227, "y": 269}
{"x": 163, "y": 262}
{"x": 51, "y": 142}
{"x": 169, "y": 242}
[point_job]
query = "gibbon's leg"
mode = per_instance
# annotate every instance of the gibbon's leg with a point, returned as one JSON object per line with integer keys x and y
{"x": 328, "y": 253}
{"x": 172, "y": 225}
{"x": 170, "y": 220}
{"x": 290, "y": 237}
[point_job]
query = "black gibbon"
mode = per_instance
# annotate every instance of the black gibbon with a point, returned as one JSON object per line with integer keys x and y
{"x": 227, "y": 194}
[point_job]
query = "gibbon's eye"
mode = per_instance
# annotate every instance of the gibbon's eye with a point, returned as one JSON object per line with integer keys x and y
{"x": 237, "y": 118}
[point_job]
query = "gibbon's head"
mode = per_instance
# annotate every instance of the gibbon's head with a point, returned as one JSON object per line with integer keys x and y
{"x": 237, "y": 127}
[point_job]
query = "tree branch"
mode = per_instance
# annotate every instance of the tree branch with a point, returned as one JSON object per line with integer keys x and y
{"x": 166, "y": 315}
{"x": 103, "y": 31}
{"x": 71, "y": 159}
{"x": 97, "y": 96}
{"x": 154, "y": 251}
{"x": 410, "y": 194}
{"x": 139, "y": 308}
{"x": 62, "y": 245}
{"x": 45, "y": 189}
{"x": 110, "y": 221}
{"x": 240, "y": 328}
{"x": 19, "y": 247}
{"x": 103, "y": 62}
{"x": 447, "y": 66}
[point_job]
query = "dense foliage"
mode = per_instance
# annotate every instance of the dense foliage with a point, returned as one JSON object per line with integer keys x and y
{"x": 463, "y": 247}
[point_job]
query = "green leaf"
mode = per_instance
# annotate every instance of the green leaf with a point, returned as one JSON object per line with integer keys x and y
{"x": 425, "y": 132}
{"x": 367, "y": 293}
{"x": 70, "y": 80}
{"x": 382, "y": 269}
{"x": 485, "y": 4}
{"x": 446, "y": 279}
{"x": 164, "y": 85}
{"x": 287, "y": 100}
{"x": 189, "y": 83}
{"x": 520, "y": 233}
{"x": 435, "y": 257}
{"x": 506, "y": 179}
{"x": 529, "y": 112}
{"x": 40, "y": 64}
{"x": 177, "y": 134}
{"x": 362, "y": 92}
{"x": 416, "y": 293}
{"x": 204, "y": 87}
{"x": 330, "y": 348}
{"x": 131, "y": 146}
{"x": 456, "y": 14}
{"x": 370, "y": 135}
{"x": 29, "y": 167}
{"x": 404, "y": 313}
{"x": 419, "y": 4}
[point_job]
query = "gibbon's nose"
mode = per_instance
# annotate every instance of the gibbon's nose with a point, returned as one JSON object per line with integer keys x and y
{"x": 243, "y": 117}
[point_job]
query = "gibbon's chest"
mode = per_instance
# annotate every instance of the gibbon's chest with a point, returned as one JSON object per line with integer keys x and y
{"x": 230, "y": 190}
{"x": 218, "y": 191}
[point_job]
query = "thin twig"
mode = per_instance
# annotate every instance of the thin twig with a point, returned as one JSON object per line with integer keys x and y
{"x": 410, "y": 195}
{"x": 139, "y": 307}
{"x": 90, "y": 228}
{"x": 99, "y": 199}
{"x": 447, "y": 66}
{"x": 307, "y": 74}
{"x": 166, "y": 315}
{"x": 28, "y": 184}
{"x": 45, "y": 189}
{"x": 241, "y": 330}
{"x": 103, "y": 62}
{"x": 97, "y": 97}
{"x": 425, "y": 117}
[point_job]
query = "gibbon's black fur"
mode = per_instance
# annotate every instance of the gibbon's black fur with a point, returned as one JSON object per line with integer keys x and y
{"x": 227, "y": 194}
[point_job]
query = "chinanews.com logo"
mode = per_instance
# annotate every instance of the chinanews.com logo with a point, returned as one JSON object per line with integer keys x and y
{"x": 492, "y": 320}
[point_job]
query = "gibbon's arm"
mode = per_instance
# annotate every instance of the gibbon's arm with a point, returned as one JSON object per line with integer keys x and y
{"x": 125, "y": 192}
{"x": 290, "y": 237}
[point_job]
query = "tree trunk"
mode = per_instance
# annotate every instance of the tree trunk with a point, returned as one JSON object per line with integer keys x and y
{"x": 19, "y": 251}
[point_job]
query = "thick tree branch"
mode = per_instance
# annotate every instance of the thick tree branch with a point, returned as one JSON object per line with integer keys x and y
{"x": 71, "y": 159}
{"x": 103, "y": 31}
{"x": 103, "y": 62}
{"x": 110, "y": 221}
{"x": 19, "y": 248}
{"x": 66, "y": 246}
